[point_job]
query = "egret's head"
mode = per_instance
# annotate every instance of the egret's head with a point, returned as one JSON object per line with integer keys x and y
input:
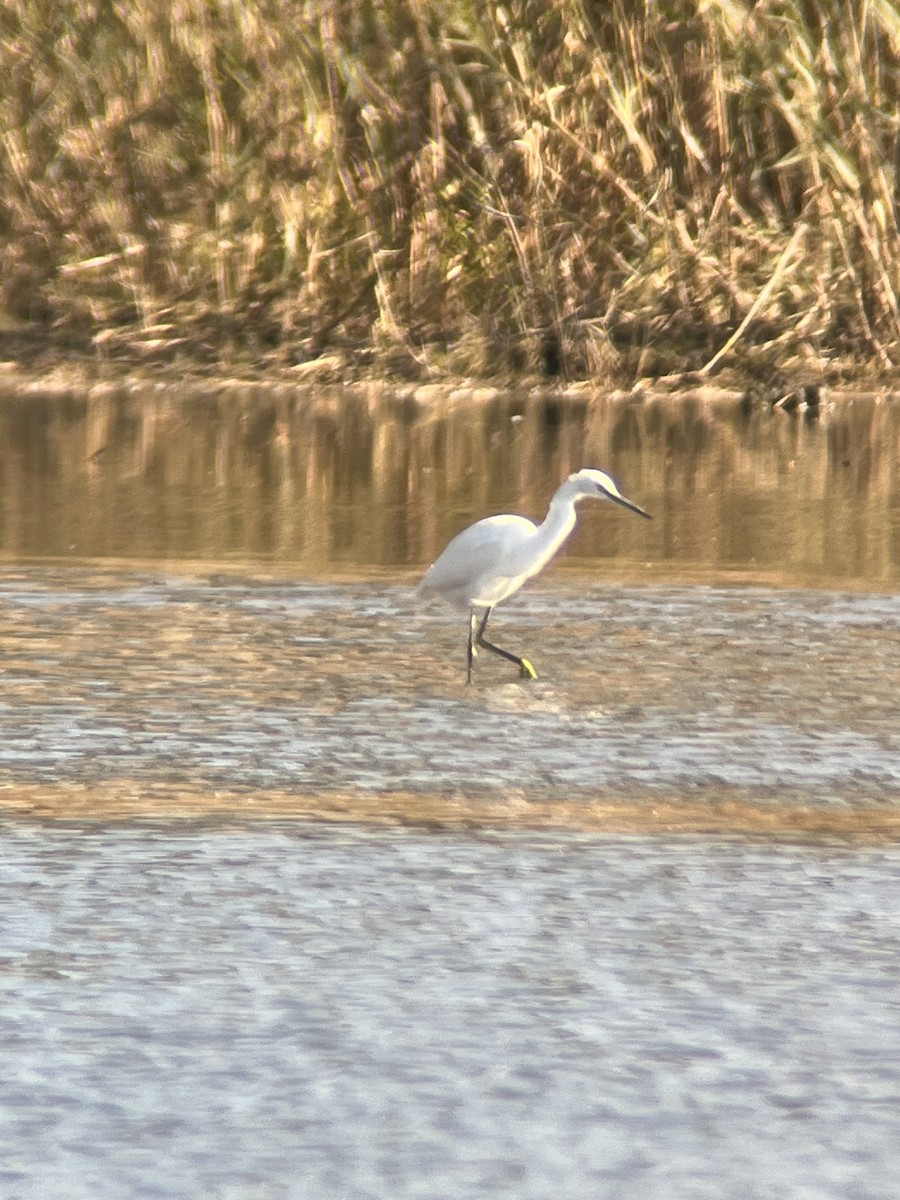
{"x": 589, "y": 482}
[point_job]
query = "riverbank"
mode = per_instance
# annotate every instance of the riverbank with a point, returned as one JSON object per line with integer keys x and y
{"x": 43, "y": 363}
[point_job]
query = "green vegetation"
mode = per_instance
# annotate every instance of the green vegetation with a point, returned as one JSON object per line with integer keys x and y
{"x": 597, "y": 187}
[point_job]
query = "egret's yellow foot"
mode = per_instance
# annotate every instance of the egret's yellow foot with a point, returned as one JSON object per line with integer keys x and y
{"x": 527, "y": 671}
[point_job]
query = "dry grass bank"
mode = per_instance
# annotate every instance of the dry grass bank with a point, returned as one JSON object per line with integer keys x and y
{"x": 441, "y": 185}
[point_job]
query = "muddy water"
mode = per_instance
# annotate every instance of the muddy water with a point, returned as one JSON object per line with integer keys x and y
{"x": 208, "y": 594}
{"x": 288, "y": 911}
{"x": 656, "y": 707}
{"x": 350, "y": 481}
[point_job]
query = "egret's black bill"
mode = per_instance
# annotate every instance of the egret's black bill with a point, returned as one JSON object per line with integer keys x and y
{"x": 628, "y": 504}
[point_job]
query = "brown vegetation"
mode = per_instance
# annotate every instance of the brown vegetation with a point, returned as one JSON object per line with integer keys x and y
{"x": 566, "y": 185}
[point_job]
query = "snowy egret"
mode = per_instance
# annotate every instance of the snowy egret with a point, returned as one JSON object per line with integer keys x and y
{"x": 493, "y": 558}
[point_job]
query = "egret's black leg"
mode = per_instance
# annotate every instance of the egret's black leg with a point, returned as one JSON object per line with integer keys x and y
{"x": 473, "y": 620}
{"x": 526, "y": 670}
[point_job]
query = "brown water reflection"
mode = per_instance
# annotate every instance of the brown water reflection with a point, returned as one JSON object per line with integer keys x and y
{"x": 347, "y": 480}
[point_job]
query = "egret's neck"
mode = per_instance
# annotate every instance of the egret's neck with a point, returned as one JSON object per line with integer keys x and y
{"x": 558, "y": 524}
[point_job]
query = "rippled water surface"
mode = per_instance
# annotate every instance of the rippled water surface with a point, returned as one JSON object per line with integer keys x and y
{"x": 288, "y": 912}
{"x": 656, "y": 707}
{"x": 312, "y": 1013}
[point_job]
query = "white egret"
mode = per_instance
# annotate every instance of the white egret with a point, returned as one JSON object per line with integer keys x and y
{"x": 491, "y": 559}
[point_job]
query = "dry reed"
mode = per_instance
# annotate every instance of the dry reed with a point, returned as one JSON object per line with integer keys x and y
{"x": 576, "y": 186}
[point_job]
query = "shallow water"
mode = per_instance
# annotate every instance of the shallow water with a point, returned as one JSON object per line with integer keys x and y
{"x": 128, "y": 693}
{"x": 290, "y": 913}
{"x": 312, "y": 1013}
{"x": 319, "y": 481}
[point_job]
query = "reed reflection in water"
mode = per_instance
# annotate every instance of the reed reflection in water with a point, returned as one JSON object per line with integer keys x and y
{"x": 347, "y": 480}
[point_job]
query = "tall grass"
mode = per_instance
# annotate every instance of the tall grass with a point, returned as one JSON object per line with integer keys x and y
{"x": 586, "y": 186}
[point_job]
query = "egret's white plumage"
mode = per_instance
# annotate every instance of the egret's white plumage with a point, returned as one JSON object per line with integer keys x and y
{"x": 491, "y": 559}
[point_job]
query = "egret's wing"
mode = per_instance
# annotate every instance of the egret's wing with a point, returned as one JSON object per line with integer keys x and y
{"x": 475, "y": 558}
